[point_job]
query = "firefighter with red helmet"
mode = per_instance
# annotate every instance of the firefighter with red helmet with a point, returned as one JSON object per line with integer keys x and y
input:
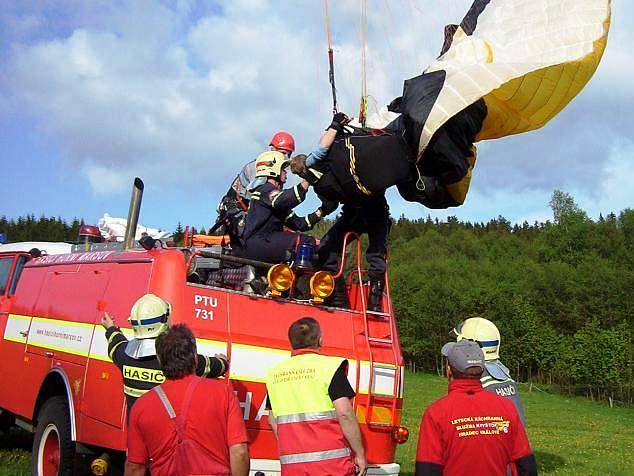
{"x": 232, "y": 209}
{"x": 137, "y": 358}
{"x": 271, "y": 209}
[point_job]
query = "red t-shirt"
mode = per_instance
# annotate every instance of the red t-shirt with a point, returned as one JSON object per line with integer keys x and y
{"x": 214, "y": 421}
{"x": 472, "y": 432}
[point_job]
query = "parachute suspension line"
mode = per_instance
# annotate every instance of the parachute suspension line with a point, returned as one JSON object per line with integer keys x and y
{"x": 331, "y": 61}
{"x": 364, "y": 89}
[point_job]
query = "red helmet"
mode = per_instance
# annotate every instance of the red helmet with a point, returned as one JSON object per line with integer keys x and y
{"x": 284, "y": 141}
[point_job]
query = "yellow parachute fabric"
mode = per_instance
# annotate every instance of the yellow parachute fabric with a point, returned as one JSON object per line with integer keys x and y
{"x": 526, "y": 59}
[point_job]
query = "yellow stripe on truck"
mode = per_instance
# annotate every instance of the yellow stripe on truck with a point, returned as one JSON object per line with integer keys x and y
{"x": 248, "y": 362}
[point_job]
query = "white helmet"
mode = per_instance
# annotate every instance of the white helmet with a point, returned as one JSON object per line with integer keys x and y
{"x": 270, "y": 164}
{"x": 149, "y": 316}
{"x": 482, "y": 331}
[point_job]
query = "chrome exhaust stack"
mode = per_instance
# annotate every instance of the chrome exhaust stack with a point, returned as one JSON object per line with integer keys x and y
{"x": 133, "y": 214}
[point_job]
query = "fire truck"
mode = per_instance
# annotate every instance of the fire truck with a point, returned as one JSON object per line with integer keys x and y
{"x": 58, "y": 381}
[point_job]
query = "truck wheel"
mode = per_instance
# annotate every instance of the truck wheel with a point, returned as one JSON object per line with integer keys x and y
{"x": 53, "y": 448}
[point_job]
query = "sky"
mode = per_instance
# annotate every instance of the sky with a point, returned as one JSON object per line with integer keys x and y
{"x": 182, "y": 93}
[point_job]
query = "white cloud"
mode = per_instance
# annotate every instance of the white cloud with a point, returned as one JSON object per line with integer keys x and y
{"x": 184, "y": 96}
{"x": 106, "y": 181}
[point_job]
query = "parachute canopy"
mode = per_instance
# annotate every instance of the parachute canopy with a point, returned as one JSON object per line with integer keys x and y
{"x": 526, "y": 59}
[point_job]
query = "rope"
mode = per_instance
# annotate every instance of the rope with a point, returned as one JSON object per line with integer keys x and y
{"x": 364, "y": 88}
{"x": 331, "y": 62}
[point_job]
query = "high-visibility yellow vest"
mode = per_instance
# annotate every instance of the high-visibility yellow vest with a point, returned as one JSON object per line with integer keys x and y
{"x": 310, "y": 439}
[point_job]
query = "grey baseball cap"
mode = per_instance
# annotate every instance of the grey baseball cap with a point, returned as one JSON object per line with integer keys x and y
{"x": 463, "y": 355}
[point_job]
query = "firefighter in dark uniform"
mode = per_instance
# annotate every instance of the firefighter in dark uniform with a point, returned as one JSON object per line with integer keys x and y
{"x": 496, "y": 376}
{"x": 137, "y": 358}
{"x": 232, "y": 209}
{"x": 271, "y": 209}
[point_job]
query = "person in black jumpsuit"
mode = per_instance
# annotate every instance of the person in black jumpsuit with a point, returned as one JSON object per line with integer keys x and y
{"x": 139, "y": 364}
{"x": 363, "y": 211}
{"x": 271, "y": 209}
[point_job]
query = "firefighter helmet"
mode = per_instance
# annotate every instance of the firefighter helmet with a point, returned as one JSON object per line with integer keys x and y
{"x": 283, "y": 141}
{"x": 270, "y": 164}
{"x": 482, "y": 331}
{"x": 149, "y": 316}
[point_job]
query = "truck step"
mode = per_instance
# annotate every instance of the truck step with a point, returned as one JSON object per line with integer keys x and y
{"x": 380, "y": 340}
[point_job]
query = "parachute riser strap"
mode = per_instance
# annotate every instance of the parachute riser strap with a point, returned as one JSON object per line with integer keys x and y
{"x": 420, "y": 183}
{"x": 362, "y": 40}
{"x": 331, "y": 78}
{"x": 331, "y": 59}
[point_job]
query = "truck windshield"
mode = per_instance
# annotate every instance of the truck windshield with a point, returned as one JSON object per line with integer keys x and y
{"x": 5, "y": 267}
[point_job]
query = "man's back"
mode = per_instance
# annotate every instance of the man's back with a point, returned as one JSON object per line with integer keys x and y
{"x": 471, "y": 431}
{"x": 213, "y": 422}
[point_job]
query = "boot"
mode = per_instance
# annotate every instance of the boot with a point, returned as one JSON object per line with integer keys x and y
{"x": 375, "y": 299}
{"x": 339, "y": 296}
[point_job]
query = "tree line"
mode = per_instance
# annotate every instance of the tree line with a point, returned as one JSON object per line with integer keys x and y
{"x": 560, "y": 292}
{"x": 44, "y": 228}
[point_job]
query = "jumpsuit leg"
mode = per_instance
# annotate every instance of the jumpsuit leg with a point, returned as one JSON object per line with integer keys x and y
{"x": 275, "y": 247}
{"x": 331, "y": 244}
{"x": 377, "y": 225}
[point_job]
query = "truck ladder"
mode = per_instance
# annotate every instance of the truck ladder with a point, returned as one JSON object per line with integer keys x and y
{"x": 373, "y": 342}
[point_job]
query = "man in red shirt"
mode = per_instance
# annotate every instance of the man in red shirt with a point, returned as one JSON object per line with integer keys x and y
{"x": 471, "y": 431}
{"x": 187, "y": 425}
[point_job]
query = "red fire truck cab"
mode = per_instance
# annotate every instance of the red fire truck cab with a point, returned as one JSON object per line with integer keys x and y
{"x": 57, "y": 379}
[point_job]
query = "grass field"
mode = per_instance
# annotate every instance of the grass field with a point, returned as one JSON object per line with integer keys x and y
{"x": 570, "y": 436}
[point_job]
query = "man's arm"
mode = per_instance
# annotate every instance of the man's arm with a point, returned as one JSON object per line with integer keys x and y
{"x": 116, "y": 340}
{"x": 134, "y": 469}
{"x": 211, "y": 367}
{"x": 239, "y": 457}
{"x": 290, "y": 197}
{"x": 137, "y": 456}
{"x": 526, "y": 466}
{"x": 350, "y": 428}
{"x": 522, "y": 454}
{"x": 273, "y": 423}
{"x": 429, "y": 450}
{"x": 327, "y": 206}
{"x": 327, "y": 138}
{"x": 306, "y": 223}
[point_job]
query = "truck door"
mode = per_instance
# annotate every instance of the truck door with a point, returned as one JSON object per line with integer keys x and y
{"x": 103, "y": 393}
{"x": 64, "y": 316}
{"x": 14, "y": 326}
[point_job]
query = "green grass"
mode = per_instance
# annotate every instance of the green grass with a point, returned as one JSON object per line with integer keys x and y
{"x": 15, "y": 453}
{"x": 569, "y": 436}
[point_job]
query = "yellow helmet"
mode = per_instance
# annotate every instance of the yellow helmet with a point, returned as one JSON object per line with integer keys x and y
{"x": 482, "y": 331}
{"x": 270, "y": 164}
{"x": 149, "y": 316}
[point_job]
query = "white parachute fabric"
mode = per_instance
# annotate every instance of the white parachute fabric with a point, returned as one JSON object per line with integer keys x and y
{"x": 113, "y": 229}
{"x": 526, "y": 58}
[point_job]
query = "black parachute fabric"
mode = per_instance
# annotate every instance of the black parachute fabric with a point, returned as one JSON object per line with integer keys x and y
{"x": 509, "y": 67}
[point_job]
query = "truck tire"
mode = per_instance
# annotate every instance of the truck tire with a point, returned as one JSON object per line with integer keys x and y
{"x": 53, "y": 448}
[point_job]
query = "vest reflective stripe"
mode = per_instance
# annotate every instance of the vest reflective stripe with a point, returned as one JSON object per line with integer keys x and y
{"x": 165, "y": 401}
{"x": 496, "y": 382}
{"x": 134, "y": 392}
{"x": 308, "y": 416}
{"x": 315, "y": 456}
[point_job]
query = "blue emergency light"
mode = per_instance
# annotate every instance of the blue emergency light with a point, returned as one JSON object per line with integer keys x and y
{"x": 304, "y": 255}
